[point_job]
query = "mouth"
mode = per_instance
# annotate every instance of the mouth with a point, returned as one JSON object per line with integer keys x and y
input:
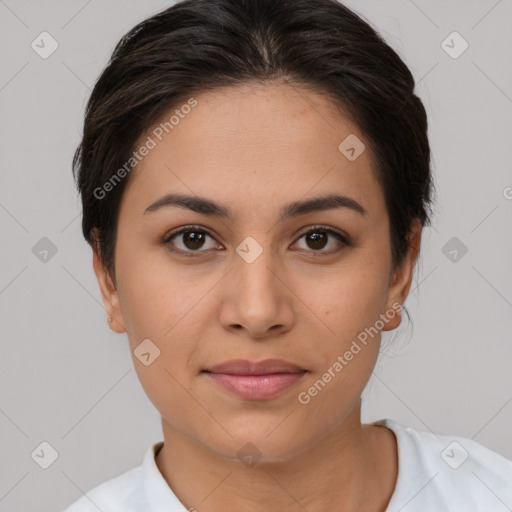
{"x": 255, "y": 380}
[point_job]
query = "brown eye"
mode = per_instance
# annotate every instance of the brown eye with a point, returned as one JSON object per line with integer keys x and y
{"x": 317, "y": 239}
{"x": 189, "y": 240}
{"x": 193, "y": 239}
{"x": 320, "y": 237}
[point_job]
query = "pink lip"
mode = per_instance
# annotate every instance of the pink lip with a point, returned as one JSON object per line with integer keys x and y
{"x": 256, "y": 380}
{"x": 245, "y": 367}
{"x": 256, "y": 387}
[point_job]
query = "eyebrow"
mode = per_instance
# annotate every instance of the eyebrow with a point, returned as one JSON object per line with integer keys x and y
{"x": 208, "y": 207}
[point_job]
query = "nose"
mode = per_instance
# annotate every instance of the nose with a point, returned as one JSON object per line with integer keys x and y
{"x": 257, "y": 298}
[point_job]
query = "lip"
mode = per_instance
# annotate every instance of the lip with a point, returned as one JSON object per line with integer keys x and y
{"x": 246, "y": 367}
{"x": 253, "y": 380}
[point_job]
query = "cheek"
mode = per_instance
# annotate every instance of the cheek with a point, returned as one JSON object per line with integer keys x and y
{"x": 167, "y": 305}
{"x": 351, "y": 301}
{"x": 157, "y": 304}
{"x": 153, "y": 295}
{"x": 347, "y": 353}
{"x": 350, "y": 307}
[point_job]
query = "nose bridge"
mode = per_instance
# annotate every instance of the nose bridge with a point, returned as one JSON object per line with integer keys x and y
{"x": 254, "y": 272}
{"x": 258, "y": 300}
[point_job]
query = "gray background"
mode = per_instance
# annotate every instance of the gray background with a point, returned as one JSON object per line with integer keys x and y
{"x": 66, "y": 379}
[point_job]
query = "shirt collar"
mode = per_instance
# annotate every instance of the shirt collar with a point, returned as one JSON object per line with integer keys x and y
{"x": 410, "y": 468}
{"x": 159, "y": 496}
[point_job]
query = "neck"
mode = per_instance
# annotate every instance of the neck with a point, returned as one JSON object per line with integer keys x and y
{"x": 352, "y": 468}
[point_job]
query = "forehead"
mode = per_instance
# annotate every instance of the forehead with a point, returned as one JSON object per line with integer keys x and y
{"x": 273, "y": 141}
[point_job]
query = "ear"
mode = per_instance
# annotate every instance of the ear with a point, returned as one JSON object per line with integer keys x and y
{"x": 109, "y": 293}
{"x": 402, "y": 278}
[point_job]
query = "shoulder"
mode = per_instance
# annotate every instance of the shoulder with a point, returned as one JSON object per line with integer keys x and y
{"x": 122, "y": 493}
{"x": 448, "y": 473}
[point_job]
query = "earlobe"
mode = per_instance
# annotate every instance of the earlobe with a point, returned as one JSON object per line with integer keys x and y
{"x": 403, "y": 276}
{"x": 109, "y": 294}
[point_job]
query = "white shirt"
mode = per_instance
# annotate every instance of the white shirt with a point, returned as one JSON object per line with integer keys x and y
{"x": 435, "y": 474}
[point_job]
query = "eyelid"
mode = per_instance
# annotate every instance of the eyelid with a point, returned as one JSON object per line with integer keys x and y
{"x": 167, "y": 238}
{"x": 322, "y": 227}
{"x": 183, "y": 229}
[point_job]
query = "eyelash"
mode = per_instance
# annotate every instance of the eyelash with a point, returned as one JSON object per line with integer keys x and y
{"x": 194, "y": 228}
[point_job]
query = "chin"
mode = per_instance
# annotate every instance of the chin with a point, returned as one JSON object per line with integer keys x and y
{"x": 263, "y": 442}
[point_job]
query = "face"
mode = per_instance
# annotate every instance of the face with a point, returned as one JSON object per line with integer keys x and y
{"x": 265, "y": 280}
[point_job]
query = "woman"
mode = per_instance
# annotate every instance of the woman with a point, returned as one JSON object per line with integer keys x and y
{"x": 255, "y": 177}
